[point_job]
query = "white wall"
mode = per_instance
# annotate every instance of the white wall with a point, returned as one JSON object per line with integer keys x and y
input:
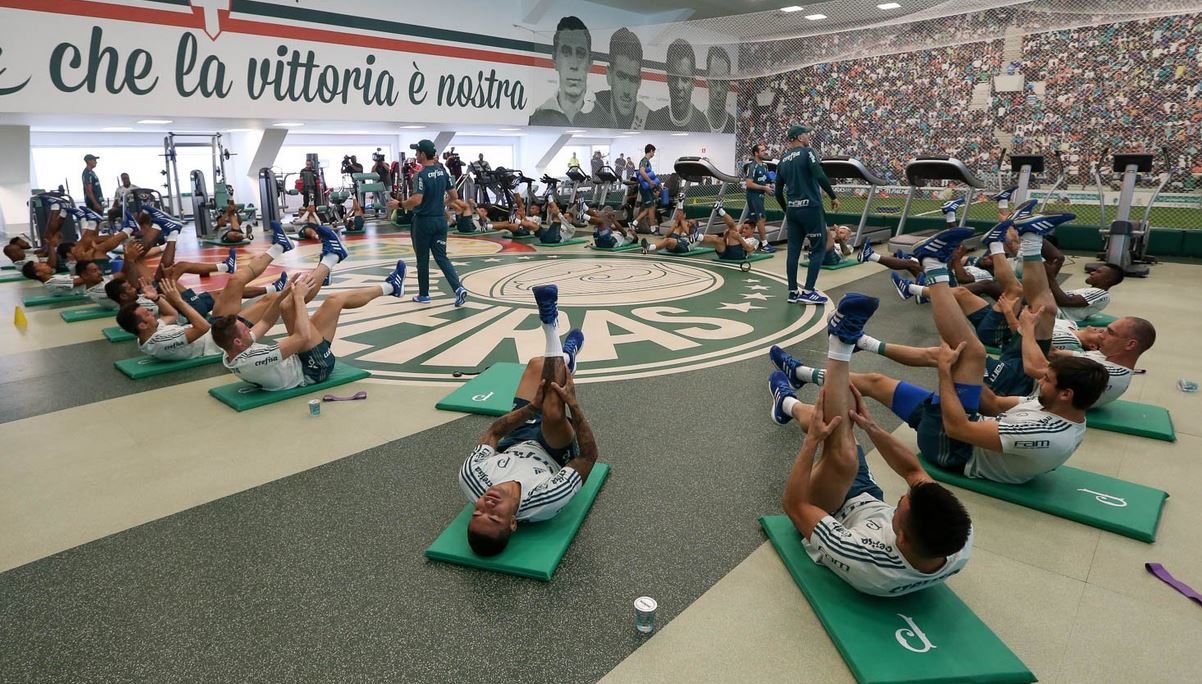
{"x": 720, "y": 148}
{"x": 14, "y": 179}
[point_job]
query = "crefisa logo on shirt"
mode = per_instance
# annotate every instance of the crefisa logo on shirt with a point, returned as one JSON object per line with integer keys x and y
{"x": 641, "y": 316}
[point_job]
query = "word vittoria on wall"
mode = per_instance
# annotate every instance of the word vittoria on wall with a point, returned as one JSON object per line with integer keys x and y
{"x": 291, "y": 76}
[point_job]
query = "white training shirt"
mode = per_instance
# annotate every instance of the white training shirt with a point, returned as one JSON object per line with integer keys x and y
{"x": 1097, "y": 300}
{"x": 1120, "y": 377}
{"x": 546, "y": 487}
{"x": 1064, "y": 335}
{"x": 857, "y": 543}
{"x": 170, "y": 343}
{"x": 265, "y": 367}
{"x": 1033, "y": 442}
{"x": 62, "y": 285}
{"x": 978, "y": 274}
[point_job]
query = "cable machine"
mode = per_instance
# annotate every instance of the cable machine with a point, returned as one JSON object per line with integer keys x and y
{"x": 171, "y": 144}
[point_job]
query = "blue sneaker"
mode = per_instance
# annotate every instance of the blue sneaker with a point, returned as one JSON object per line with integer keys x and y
{"x": 997, "y": 233}
{"x": 162, "y": 219}
{"x": 280, "y": 282}
{"x": 571, "y": 346}
{"x": 397, "y": 279}
{"x": 950, "y": 208}
{"x": 767, "y": 248}
{"x": 1006, "y": 194}
{"x": 941, "y": 245}
{"x": 547, "y": 297}
{"x": 811, "y": 297}
{"x": 794, "y": 297}
{"x": 902, "y": 285}
{"x": 72, "y": 210}
{"x": 853, "y": 312}
{"x": 89, "y": 215}
{"x": 422, "y": 299}
{"x": 922, "y": 282}
{"x": 866, "y": 252}
{"x": 1023, "y": 210}
{"x": 131, "y": 224}
{"x": 1040, "y": 224}
{"x": 231, "y": 261}
{"x": 330, "y": 244}
{"x": 786, "y": 364}
{"x": 779, "y": 386}
{"x": 279, "y": 237}
{"x": 460, "y": 296}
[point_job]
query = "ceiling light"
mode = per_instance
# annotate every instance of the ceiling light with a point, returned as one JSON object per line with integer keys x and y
{"x": 791, "y": 8}
{"x": 413, "y": 126}
{"x": 116, "y": 129}
{"x": 288, "y": 124}
{"x": 511, "y": 129}
{"x": 815, "y": 17}
{"x": 888, "y": 6}
{"x": 239, "y": 130}
{"x": 155, "y": 121}
{"x": 679, "y": 135}
{"x": 576, "y": 130}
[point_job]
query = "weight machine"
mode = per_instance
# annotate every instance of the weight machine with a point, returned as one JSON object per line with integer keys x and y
{"x": 172, "y": 143}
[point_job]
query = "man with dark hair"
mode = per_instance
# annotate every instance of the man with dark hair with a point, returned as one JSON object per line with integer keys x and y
{"x": 757, "y": 185}
{"x": 1028, "y": 436}
{"x": 1079, "y": 304}
{"x": 83, "y": 253}
{"x": 682, "y": 237}
{"x": 717, "y": 68}
{"x": 736, "y": 242}
{"x": 432, "y": 189}
{"x": 620, "y": 107}
{"x": 648, "y": 186}
{"x": 679, "y": 114}
{"x": 572, "y": 53}
{"x": 834, "y": 503}
{"x": 800, "y": 182}
{"x": 531, "y": 461}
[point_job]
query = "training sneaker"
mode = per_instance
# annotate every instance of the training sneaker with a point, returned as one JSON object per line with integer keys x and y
{"x": 718, "y": 208}
{"x": 695, "y": 236}
{"x": 1023, "y": 210}
{"x": 89, "y": 215}
{"x": 902, "y": 285}
{"x": 397, "y": 279}
{"x": 571, "y": 346}
{"x": 941, "y": 245}
{"x": 786, "y": 364}
{"x": 1006, "y": 194}
{"x": 950, "y": 208}
{"x": 922, "y": 282}
{"x": 231, "y": 261}
{"x": 131, "y": 224}
{"x": 646, "y": 245}
{"x": 547, "y": 297}
{"x": 794, "y": 297}
{"x": 854, "y": 310}
{"x": 330, "y": 244}
{"x": 866, "y": 252}
{"x": 279, "y": 237}
{"x": 997, "y": 233}
{"x": 162, "y": 219}
{"x": 811, "y": 297}
{"x": 460, "y": 296}
{"x": 767, "y": 248}
{"x": 1041, "y": 224}
{"x": 280, "y": 282}
{"x": 779, "y": 386}
{"x": 422, "y": 299}
{"x": 72, "y": 210}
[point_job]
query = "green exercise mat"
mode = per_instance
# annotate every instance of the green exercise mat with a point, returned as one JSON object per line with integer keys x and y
{"x": 844, "y": 263}
{"x": 927, "y": 636}
{"x": 1133, "y": 418}
{"x": 474, "y": 233}
{"x": 993, "y": 351}
{"x": 490, "y": 393}
{"x": 758, "y": 256}
{"x": 696, "y": 251}
{"x": 90, "y": 313}
{"x": 535, "y": 549}
{"x": 355, "y": 232}
{"x": 1098, "y": 320}
{"x": 12, "y": 278}
{"x": 623, "y": 248}
{"x": 220, "y": 243}
{"x": 1106, "y": 503}
{"x": 8, "y": 267}
{"x": 116, "y": 334}
{"x": 43, "y": 299}
{"x": 147, "y": 366}
{"x": 524, "y": 237}
{"x": 565, "y": 243}
{"x": 242, "y": 396}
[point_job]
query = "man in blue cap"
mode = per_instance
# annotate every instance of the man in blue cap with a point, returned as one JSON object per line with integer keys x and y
{"x": 800, "y": 182}
{"x": 431, "y": 187}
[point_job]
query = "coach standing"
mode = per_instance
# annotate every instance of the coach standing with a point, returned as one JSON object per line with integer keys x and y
{"x": 799, "y": 182}
{"x": 431, "y": 187}
{"x": 93, "y": 194}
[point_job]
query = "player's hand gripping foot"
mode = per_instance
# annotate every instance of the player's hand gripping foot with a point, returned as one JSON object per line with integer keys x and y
{"x": 853, "y": 312}
{"x": 397, "y": 279}
{"x": 787, "y": 365}
{"x": 779, "y": 386}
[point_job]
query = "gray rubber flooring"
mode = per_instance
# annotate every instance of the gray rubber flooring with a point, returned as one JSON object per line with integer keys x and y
{"x": 320, "y": 576}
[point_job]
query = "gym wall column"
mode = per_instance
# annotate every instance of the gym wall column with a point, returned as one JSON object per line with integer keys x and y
{"x": 554, "y": 150}
{"x": 16, "y": 169}
{"x": 261, "y": 149}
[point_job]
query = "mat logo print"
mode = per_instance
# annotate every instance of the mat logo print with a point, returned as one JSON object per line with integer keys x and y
{"x": 640, "y": 317}
{"x": 905, "y": 634}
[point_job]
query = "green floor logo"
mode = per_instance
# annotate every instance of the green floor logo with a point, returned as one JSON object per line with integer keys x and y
{"x": 640, "y": 316}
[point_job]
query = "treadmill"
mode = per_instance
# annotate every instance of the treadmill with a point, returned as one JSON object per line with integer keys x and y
{"x": 849, "y": 168}
{"x": 603, "y": 180}
{"x": 692, "y": 170}
{"x": 918, "y": 172}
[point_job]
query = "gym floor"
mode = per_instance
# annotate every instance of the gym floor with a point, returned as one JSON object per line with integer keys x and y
{"x": 150, "y": 533}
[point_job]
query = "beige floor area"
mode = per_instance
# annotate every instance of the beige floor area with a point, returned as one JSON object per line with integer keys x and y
{"x": 1074, "y": 603}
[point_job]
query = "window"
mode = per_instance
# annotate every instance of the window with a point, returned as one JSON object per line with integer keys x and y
{"x": 55, "y": 166}
{"x": 495, "y": 155}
